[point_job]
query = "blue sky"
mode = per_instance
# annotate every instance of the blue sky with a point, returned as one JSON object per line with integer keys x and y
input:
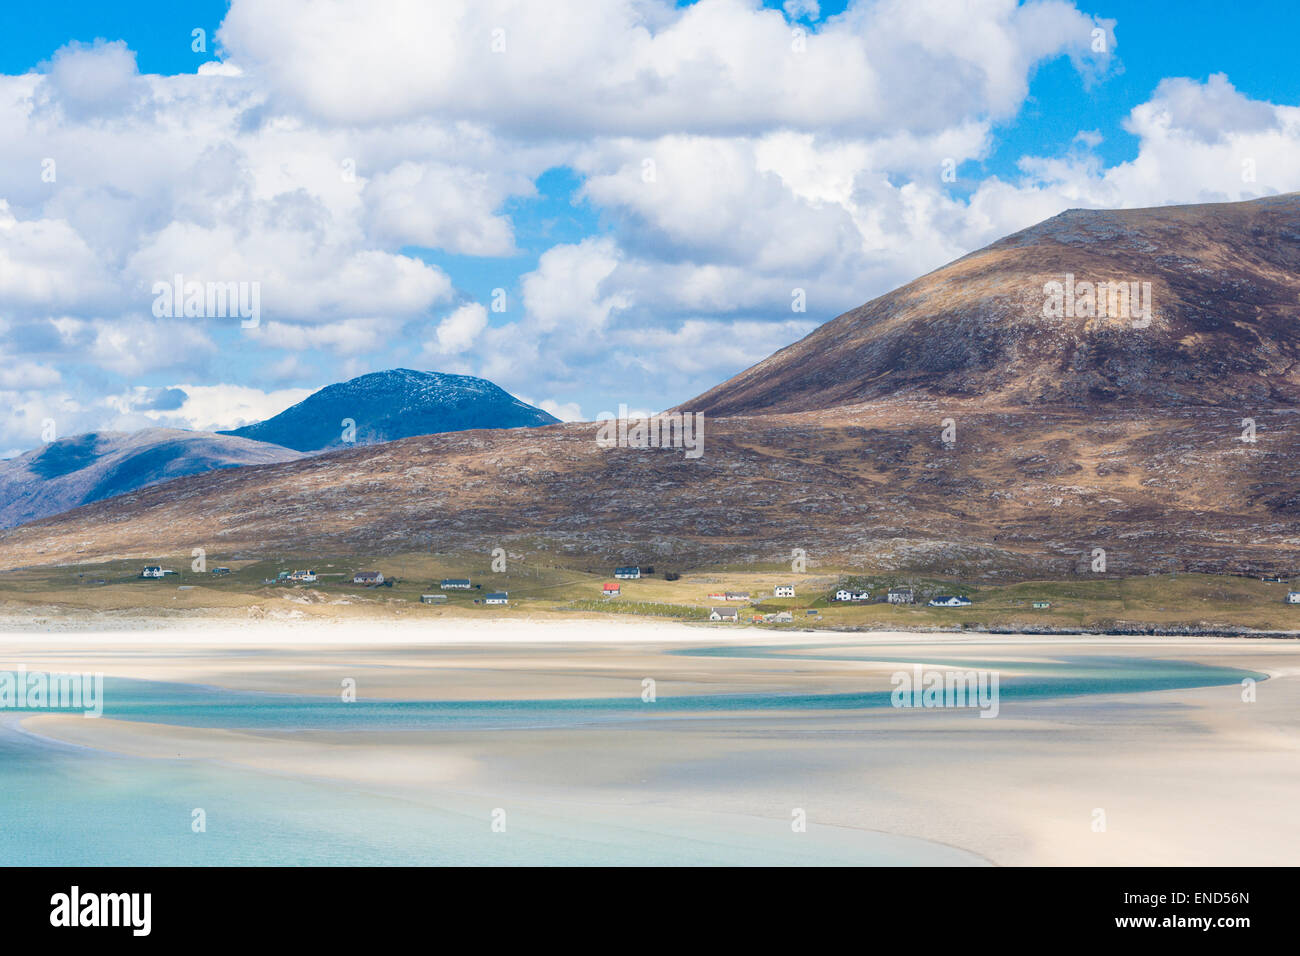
{"x": 648, "y": 207}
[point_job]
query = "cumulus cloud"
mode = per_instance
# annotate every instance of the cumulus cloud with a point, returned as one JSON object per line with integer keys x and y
{"x": 564, "y": 411}
{"x": 134, "y": 346}
{"x": 459, "y": 331}
{"x": 162, "y": 400}
{"x": 732, "y": 159}
{"x": 18, "y": 374}
{"x": 90, "y": 80}
{"x": 568, "y": 286}
{"x": 45, "y": 265}
{"x": 1208, "y": 112}
{"x": 24, "y": 413}
{"x": 441, "y": 207}
{"x": 648, "y": 67}
{"x": 204, "y": 407}
{"x": 1198, "y": 142}
{"x": 298, "y": 275}
{"x": 349, "y": 338}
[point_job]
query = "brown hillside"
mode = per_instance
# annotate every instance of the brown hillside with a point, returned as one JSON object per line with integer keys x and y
{"x": 1225, "y": 292}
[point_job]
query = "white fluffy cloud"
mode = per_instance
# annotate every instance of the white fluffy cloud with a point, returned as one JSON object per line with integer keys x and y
{"x": 90, "y": 80}
{"x": 1198, "y": 142}
{"x": 568, "y": 287}
{"x": 19, "y": 374}
{"x": 797, "y": 9}
{"x": 45, "y": 266}
{"x": 350, "y": 157}
{"x": 132, "y": 346}
{"x": 459, "y": 331}
{"x": 348, "y": 338}
{"x": 564, "y": 411}
{"x": 205, "y": 407}
{"x": 440, "y": 206}
{"x": 648, "y": 67}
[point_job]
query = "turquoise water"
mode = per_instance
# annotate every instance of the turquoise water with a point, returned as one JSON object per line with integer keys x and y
{"x": 65, "y": 805}
{"x": 198, "y": 706}
{"x": 68, "y": 806}
{"x": 1065, "y": 676}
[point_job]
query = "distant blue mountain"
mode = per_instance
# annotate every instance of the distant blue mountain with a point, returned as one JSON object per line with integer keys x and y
{"x": 395, "y": 404}
{"x": 83, "y": 468}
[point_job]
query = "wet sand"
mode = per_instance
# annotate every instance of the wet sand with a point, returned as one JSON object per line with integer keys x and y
{"x": 1187, "y": 776}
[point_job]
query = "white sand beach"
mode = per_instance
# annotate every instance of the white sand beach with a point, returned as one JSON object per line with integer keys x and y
{"x": 1182, "y": 776}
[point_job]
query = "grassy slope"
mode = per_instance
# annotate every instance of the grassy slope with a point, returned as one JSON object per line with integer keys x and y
{"x": 1192, "y": 600}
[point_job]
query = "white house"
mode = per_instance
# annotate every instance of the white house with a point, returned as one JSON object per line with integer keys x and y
{"x": 455, "y": 584}
{"x": 728, "y": 614}
{"x": 783, "y": 590}
{"x": 368, "y": 577}
{"x": 612, "y": 589}
{"x": 848, "y": 594}
{"x": 629, "y": 573}
{"x": 1293, "y": 597}
{"x": 307, "y": 577}
{"x": 497, "y": 597}
{"x": 901, "y": 596}
{"x": 949, "y": 600}
{"x": 152, "y": 571}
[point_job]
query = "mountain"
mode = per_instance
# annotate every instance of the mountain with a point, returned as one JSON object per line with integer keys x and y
{"x": 1020, "y": 493}
{"x": 1224, "y": 296}
{"x": 395, "y": 404}
{"x": 85, "y": 468}
{"x": 946, "y": 428}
